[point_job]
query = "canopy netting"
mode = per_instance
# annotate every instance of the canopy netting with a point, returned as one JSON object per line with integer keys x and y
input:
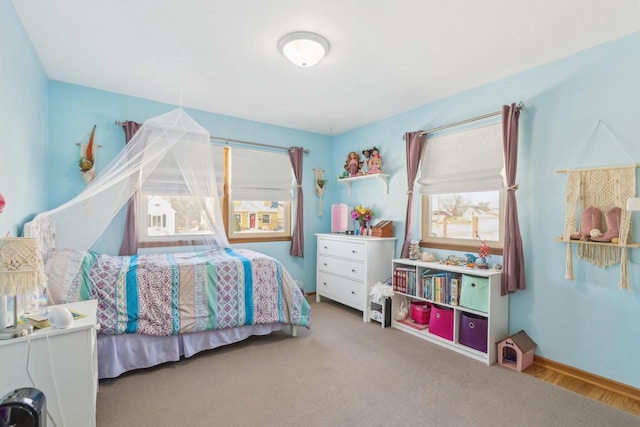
{"x": 170, "y": 153}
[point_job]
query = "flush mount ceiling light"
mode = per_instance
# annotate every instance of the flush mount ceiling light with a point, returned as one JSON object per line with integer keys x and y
{"x": 304, "y": 48}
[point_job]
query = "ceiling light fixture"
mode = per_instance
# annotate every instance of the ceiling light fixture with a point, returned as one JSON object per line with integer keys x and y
{"x": 304, "y": 48}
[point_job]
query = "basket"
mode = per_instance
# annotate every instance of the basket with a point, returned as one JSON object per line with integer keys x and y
{"x": 420, "y": 312}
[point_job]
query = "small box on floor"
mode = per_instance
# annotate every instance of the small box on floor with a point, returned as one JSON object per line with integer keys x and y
{"x": 381, "y": 312}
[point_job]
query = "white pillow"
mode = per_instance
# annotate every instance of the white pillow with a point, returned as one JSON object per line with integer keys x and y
{"x": 62, "y": 268}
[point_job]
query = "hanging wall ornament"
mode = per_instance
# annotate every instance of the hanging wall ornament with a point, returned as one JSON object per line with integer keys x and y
{"x": 87, "y": 161}
{"x": 320, "y": 182}
{"x": 598, "y": 196}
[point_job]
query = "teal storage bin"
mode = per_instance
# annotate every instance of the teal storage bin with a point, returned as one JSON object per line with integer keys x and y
{"x": 474, "y": 293}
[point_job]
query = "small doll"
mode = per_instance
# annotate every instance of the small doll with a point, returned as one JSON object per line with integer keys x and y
{"x": 375, "y": 163}
{"x": 353, "y": 163}
{"x": 365, "y": 162}
{"x": 345, "y": 172}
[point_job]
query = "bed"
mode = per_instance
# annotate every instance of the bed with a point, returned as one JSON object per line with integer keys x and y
{"x": 156, "y": 308}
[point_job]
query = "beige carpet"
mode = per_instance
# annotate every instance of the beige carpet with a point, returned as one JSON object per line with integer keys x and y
{"x": 341, "y": 372}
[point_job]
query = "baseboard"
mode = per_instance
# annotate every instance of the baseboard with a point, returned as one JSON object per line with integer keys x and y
{"x": 605, "y": 383}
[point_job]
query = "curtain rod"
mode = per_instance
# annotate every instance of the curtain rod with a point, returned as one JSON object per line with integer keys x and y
{"x": 258, "y": 144}
{"x": 462, "y": 122}
{"x": 238, "y": 141}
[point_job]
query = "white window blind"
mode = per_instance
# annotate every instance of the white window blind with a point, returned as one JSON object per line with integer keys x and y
{"x": 167, "y": 179}
{"x": 467, "y": 161}
{"x": 260, "y": 175}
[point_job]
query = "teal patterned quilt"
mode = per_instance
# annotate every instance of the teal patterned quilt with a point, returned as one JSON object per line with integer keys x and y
{"x": 169, "y": 294}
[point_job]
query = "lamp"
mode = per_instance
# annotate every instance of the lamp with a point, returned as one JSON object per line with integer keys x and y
{"x": 303, "y": 48}
{"x": 21, "y": 271}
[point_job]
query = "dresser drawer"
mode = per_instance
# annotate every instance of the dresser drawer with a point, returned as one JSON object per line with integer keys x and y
{"x": 354, "y": 270}
{"x": 341, "y": 289}
{"x": 335, "y": 248}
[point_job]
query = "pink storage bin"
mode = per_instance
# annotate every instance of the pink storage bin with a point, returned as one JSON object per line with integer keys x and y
{"x": 420, "y": 312}
{"x": 441, "y": 322}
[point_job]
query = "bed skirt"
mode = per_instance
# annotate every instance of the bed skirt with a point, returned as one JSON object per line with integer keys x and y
{"x": 118, "y": 354}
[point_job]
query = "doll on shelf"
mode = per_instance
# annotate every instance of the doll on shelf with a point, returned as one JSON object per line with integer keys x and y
{"x": 353, "y": 163}
{"x": 365, "y": 161}
{"x": 375, "y": 163}
{"x": 345, "y": 172}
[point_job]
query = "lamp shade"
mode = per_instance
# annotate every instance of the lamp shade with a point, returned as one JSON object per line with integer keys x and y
{"x": 304, "y": 48}
{"x": 21, "y": 266}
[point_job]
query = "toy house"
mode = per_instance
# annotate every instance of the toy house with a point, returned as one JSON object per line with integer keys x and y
{"x": 516, "y": 351}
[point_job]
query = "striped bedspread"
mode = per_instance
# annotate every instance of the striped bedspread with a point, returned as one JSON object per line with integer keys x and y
{"x": 168, "y": 294}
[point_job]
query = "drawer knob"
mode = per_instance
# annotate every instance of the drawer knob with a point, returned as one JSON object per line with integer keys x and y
{"x": 326, "y": 247}
{"x": 353, "y": 292}
{"x": 353, "y": 270}
{"x": 324, "y": 263}
{"x": 324, "y": 283}
{"x": 354, "y": 251}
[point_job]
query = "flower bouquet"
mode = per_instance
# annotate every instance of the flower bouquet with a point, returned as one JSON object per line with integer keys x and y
{"x": 363, "y": 216}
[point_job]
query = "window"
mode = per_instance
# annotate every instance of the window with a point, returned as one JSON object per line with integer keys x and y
{"x": 463, "y": 218}
{"x": 461, "y": 186}
{"x": 261, "y": 191}
{"x": 169, "y": 213}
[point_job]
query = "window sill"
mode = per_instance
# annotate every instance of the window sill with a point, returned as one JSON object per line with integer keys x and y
{"x": 461, "y": 247}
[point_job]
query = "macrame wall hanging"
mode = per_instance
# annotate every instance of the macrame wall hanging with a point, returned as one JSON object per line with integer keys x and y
{"x": 600, "y": 195}
{"x": 320, "y": 182}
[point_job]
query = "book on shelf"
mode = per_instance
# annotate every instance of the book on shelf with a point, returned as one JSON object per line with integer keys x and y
{"x": 438, "y": 286}
{"x": 404, "y": 280}
{"x": 455, "y": 291}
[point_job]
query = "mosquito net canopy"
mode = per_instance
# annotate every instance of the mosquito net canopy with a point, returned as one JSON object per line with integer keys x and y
{"x": 170, "y": 154}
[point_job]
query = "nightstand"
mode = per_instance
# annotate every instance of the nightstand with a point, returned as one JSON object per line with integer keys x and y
{"x": 62, "y": 363}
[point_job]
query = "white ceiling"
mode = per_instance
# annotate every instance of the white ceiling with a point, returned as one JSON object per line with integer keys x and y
{"x": 387, "y": 56}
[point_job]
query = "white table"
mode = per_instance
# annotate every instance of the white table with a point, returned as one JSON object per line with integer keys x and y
{"x": 62, "y": 363}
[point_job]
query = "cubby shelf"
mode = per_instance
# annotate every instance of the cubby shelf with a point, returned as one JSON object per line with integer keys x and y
{"x": 497, "y": 314}
{"x": 383, "y": 176}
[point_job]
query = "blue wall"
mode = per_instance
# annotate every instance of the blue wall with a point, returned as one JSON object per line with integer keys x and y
{"x": 75, "y": 109}
{"x": 587, "y": 323}
{"x": 23, "y": 120}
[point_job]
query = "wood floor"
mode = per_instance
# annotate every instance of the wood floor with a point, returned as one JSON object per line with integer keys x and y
{"x": 615, "y": 399}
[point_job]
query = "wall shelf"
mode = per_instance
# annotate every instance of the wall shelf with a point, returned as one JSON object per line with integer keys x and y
{"x": 589, "y": 242}
{"x": 383, "y": 176}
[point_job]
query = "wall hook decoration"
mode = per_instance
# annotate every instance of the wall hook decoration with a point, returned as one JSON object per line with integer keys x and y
{"x": 87, "y": 160}
{"x": 320, "y": 183}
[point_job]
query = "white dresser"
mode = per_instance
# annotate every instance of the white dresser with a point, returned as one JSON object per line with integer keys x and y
{"x": 63, "y": 365}
{"x": 349, "y": 265}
